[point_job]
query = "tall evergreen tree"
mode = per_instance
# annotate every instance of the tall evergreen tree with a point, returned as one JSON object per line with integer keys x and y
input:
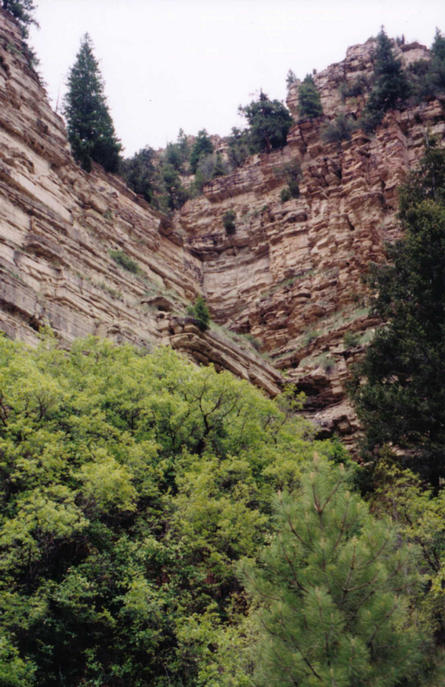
{"x": 90, "y": 127}
{"x": 269, "y": 122}
{"x": 202, "y": 147}
{"x": 401, "y": 398}
{"x": 309, "y": 103}
{"x": 332, "y": 593}
{"x": 391, "y": 87}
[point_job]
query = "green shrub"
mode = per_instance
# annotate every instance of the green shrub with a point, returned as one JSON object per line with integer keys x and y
{"x": 200, "y": 313}
{"x": 340, "y": 129}
{"x": 229, "y": 222}
{"x": 351, "y": 339}
{"x": 285, "y": 194}
{"x": 123, "y": 260}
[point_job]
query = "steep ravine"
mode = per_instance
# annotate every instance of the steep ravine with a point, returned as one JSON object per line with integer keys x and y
{"x": 290, "y": 276}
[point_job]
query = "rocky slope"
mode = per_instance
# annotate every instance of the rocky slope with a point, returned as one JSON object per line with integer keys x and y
{"x": 289, "y": 277}
{"x": 65, "y": 234}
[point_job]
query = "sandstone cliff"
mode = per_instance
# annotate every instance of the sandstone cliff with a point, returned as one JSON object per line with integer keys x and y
{"x": 290, "y": 276}
{"x": 61, "y": 227}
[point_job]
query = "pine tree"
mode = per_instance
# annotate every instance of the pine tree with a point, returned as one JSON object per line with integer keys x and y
{"x": 391, "y": 87}
{"x": 269, "y": 122}
{"x": 332, "y": 593}
{"x": 309, "y": 104}
{"x": 90, "y": 127}
{"x": 401, "y": 396}
{"x": 202, "y": 147}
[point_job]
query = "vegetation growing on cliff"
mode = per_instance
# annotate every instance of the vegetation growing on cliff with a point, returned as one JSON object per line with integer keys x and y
{"x": 391, "y": 87}
{"x": 309, "y": 103}
{"x": 402, "y": 401}
{"x": 269, "y": 122}
{"x": 90, "y": 127}
{"x": 22, "y": 11}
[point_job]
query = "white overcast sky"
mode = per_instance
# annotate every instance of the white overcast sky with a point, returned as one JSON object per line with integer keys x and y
{"x": 169, "y": 64}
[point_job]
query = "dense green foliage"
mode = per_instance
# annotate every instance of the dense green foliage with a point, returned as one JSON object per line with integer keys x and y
{"x": 90, "y": 127}
{"x": 269, "y": 122}
{"x": 333, "y": 592}
{"x": 130, "y": 485}
{"x": 420, "y": 517}
{"x": 391, "y": 86}
{"x": 22, "y": 11}
{"x": 202, "y": 147}
{"x": 166, "y": 179}
{"x": 429, "y": 75}
{"x": 239, "y": 147}
{"x": 402, "y": 398}
{"x": 200, "y": 313}
{"x": 309, "y": 104}
{"x": 140, "y": 173}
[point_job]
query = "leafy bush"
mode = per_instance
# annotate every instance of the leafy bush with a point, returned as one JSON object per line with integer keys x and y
{"x": 229, "y": 222}
{"x": 340, "y": 129}
{"x": 238, "y": 147}
{"x": 124, "y": 261}
{"x": 130, "y": 485}
{"x": 200, "y": 312}
{"x": 285, "y": 194}
{"x": 140, "y": 173}
{"x": 309, "y": 103}
{"x": 351, "y": 339}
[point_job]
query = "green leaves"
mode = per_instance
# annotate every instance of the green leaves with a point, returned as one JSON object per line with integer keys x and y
{"x": 131, "y": 484}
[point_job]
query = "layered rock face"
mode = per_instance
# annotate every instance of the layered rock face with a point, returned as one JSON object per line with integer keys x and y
{"x": 291, "y": 275}
{"x": 80, "y": 252}
{"x": 83, "y": 254}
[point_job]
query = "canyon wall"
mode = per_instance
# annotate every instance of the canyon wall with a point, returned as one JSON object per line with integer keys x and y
{"x": 80, "y": 252}
{"x": 292, "y": 274}
{"x": 65, "y": 236}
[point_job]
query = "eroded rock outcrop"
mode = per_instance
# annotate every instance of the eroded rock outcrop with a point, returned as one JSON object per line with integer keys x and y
{"x": 290, "y": 277}
{"x": 65, "y": 236}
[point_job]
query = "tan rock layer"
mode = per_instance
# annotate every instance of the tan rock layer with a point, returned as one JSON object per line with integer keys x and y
{"x": 290, "y": 276}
